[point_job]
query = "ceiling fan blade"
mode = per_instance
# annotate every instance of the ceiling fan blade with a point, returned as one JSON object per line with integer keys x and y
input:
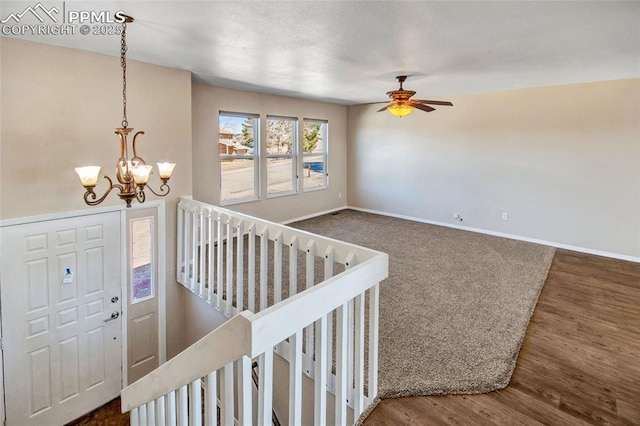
{"x": 422, "y": 107}
{"x": 384, "y": 108}
{"x": 446, "y": 103}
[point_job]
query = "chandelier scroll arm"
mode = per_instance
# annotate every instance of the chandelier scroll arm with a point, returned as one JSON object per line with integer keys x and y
{"x": 133, "y": 147}
{"x": 163, "y": 191}
{"x": 90, "y": 196}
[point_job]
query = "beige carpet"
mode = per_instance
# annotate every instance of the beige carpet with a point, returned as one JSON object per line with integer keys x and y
{"x": 456, "y": 305}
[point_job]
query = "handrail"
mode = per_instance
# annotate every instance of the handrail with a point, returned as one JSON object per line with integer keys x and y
{"x": 342, "y": 248}
{"x": 273, "y": 325}
{"x": 228, "y": 258}
{"x": 261, "y": 331}
{"x": 199, "y": 360}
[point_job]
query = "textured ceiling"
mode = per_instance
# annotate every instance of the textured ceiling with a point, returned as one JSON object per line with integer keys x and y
{"x": 350, "y": 52}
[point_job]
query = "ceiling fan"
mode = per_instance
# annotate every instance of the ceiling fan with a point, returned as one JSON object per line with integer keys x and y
{"x": 401, "y": 103}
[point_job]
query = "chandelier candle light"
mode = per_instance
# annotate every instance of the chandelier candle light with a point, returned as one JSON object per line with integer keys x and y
{"x": 132, "y": 173}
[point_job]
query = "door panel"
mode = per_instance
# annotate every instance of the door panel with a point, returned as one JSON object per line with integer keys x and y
{"x": 61, "y": 359}
{"x": 142, "y": 293}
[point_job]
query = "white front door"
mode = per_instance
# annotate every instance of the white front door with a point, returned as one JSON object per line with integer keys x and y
{"x": 61, "y": 324}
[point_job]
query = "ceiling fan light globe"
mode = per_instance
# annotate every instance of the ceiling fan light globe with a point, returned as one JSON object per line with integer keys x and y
{"x": 400, "y": 110}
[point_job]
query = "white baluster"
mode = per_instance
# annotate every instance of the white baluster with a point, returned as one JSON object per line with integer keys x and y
{"x": 265, "y": 387}
{"x": 143, "y": 415}
{"x": 211, "y": 256}
{"x": 187, "y": 249}
{"x": 295, "y": 379}
{"x": 240, "y": 268}
{"x": 277, "y": 268}
{"x": 229, "y": 296}
{"x": 358, "y": 403}
{"x": 374, "y": 299}
{"x": 151, "y": 413}
{"x": 350, "y": 349}
{"x": 194, "y": 251}
{"x": 195, "y": 403}
{"x": 183, "y": 407}
{"x": 341, "y": 365}
{"x": 350, "y": 263}
{"x": 219, "y": 264}
{"x": 293, "y": 266}
{"x": 161, "y": 418}
{"x": 264, "y": 267}
{"x": 320, "y": 389}
{"x": 251, "y": 273}
{"x": 180, "y": 257}
{"x": 211, "y": 401}
{"x": 171, "y": 409}
{"x": 328, "y": 273}
{"x": 203, "y": 254}
{"x": 134, "y": 417}
{"x": 245, "y": 392}
{"x": 226, "y": 395}
{"x": 309, "y": 275}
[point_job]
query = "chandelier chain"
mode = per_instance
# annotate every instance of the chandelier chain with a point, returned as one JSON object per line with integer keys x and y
{"x": 123, "y": 63}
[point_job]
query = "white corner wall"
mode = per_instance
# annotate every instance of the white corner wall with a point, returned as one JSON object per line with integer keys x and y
{"x": 208, "y": 101}
{"x": 563, "y": 162}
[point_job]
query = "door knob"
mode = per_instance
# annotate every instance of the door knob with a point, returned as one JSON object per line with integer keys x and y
{"x": 114, "y": 299}
{"x": 114, "y": 315}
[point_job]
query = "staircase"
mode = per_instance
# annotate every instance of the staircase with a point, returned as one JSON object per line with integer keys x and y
{"x": 309, "y": 301}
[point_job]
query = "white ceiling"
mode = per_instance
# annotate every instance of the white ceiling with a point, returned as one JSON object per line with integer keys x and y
{"x": 350, "y": 52}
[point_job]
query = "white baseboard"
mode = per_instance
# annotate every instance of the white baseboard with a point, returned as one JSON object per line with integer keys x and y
{"x": 312, "y": 215}
{"x": 503, "y": 235}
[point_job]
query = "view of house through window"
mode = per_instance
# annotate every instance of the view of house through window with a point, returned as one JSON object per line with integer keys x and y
{"x": 240, "y": 159}
{"x": 239, "y": 147}
{"x": 314, "y": 154}
{"x": 281, "y": 155}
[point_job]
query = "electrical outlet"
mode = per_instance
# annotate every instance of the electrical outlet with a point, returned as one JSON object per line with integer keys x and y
{"x": 339, "y": 194}
{"x": 504, "y": 216}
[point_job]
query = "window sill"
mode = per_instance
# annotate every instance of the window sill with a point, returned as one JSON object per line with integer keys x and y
{"x": 238, "y": 201}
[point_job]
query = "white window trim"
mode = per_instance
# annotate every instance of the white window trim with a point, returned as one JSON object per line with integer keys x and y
{"x": 325, "y": 155}
{"x": 256, "y": 158}
{"x": 293, "y": 156}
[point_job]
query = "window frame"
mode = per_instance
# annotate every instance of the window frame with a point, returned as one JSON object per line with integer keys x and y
{"x": 293, "y": 156}
{"x": 152, "y": 260}
{"x": 255, "y": 157}
{"x": 325, "y": 154}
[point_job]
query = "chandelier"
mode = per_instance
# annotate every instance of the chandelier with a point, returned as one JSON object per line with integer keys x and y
{"x": 132, "y": 173}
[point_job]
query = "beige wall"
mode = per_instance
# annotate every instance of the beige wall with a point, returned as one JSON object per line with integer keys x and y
{"x": 564, "y": 162}
{"x": 59, "y": 110}
{"x": 209, "y": 100}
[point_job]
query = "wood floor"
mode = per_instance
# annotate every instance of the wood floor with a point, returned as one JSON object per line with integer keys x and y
{"x": 579, "y": 364}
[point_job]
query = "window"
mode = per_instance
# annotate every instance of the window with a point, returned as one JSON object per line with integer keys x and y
{"x": 239, "y": 157}
{"x": 314, "y": 154}
{"x": 141, "y": 257}
{"x": 281, "y": 155}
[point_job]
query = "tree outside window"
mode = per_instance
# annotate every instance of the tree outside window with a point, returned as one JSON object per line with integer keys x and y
{"x": 314, "y": 154}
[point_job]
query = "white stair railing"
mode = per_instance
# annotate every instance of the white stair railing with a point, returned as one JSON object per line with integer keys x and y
{"x": 249, "y": 269}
